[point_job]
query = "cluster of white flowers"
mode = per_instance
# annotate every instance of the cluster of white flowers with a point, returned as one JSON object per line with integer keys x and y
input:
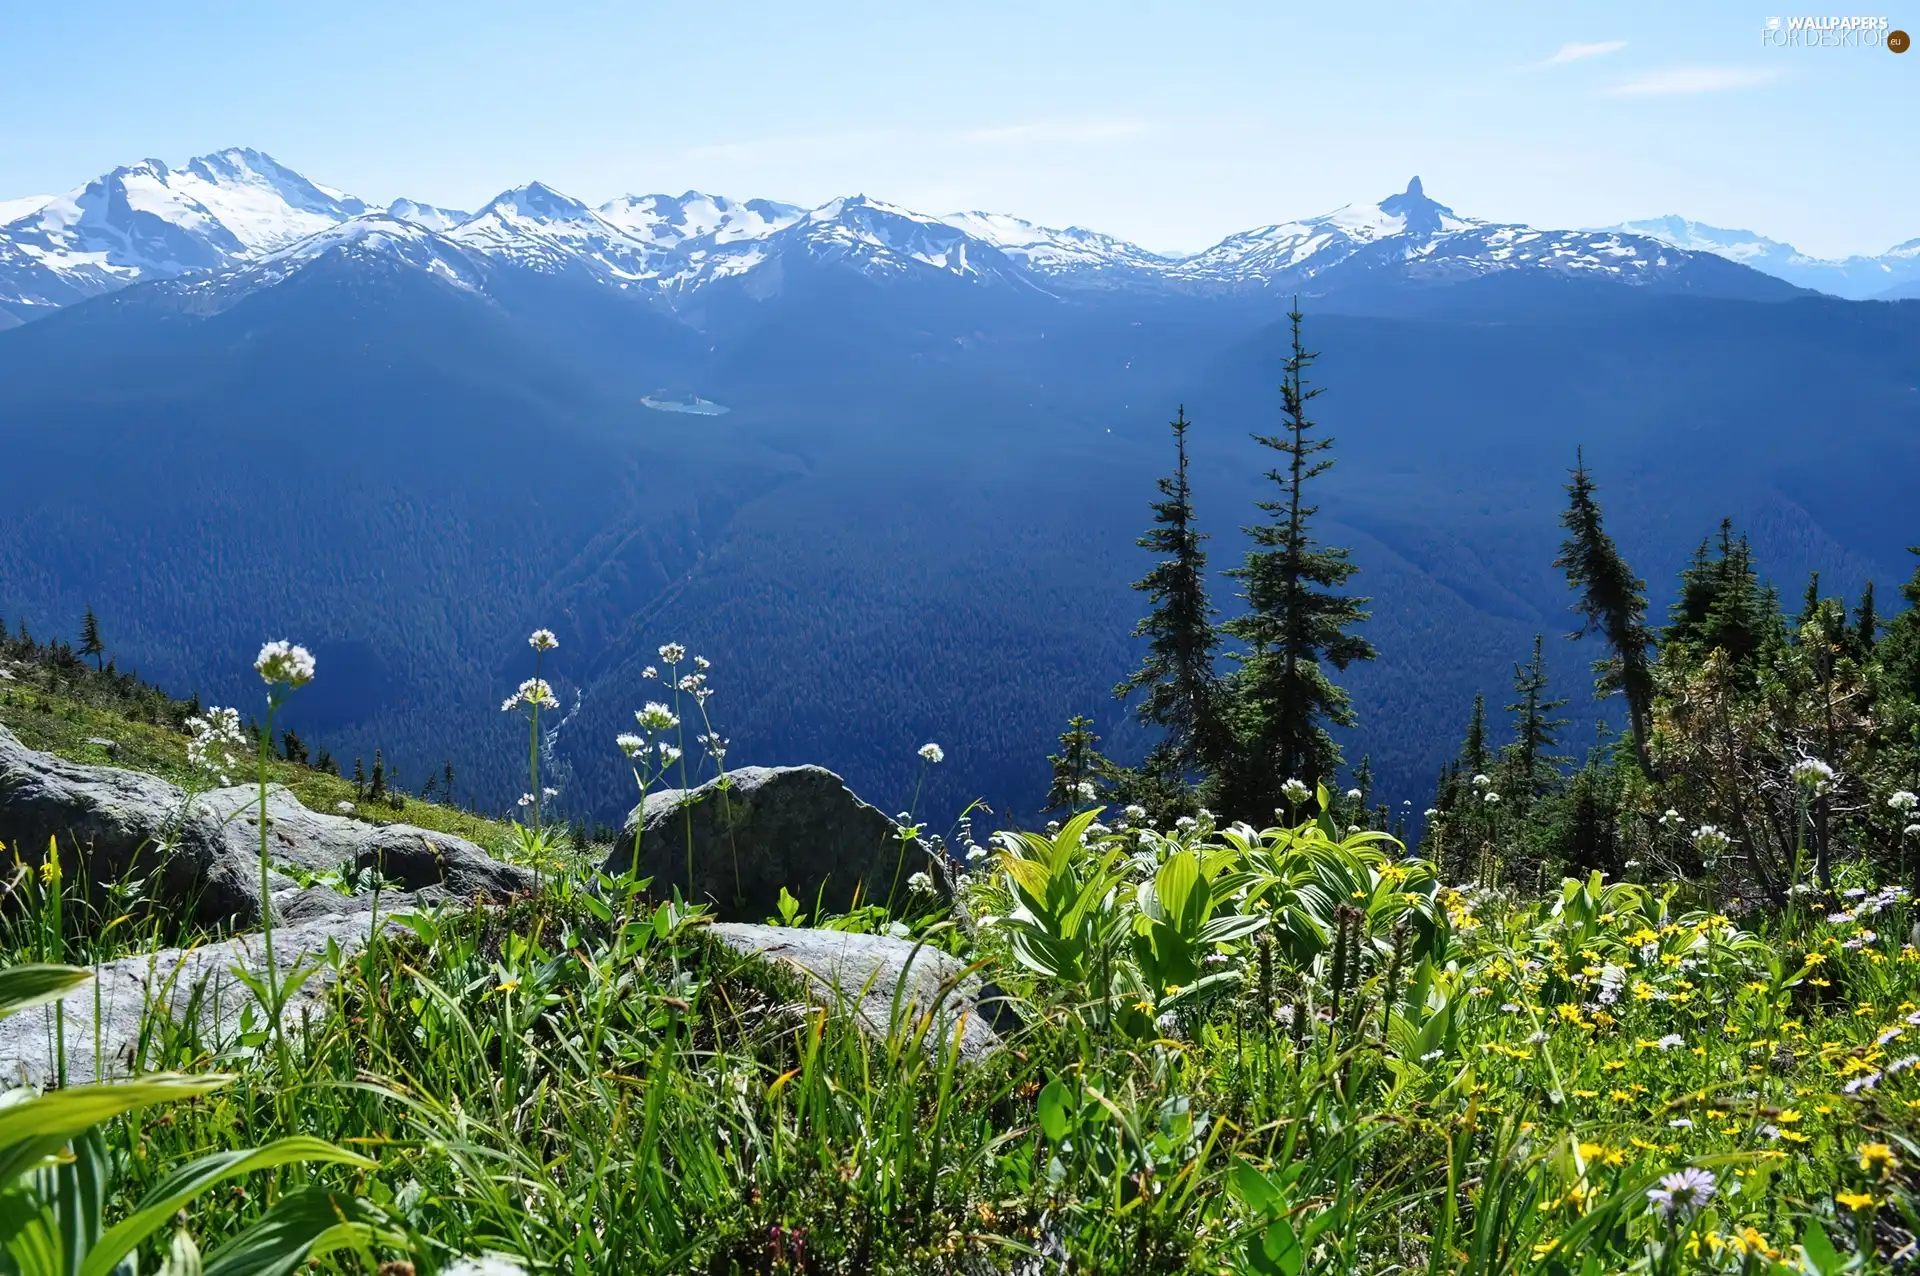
{"x": 714, "y": 743}
{"x": 1903, "y": 800}
{"x": 1085, "y": 791}
{"x": 1813, "y": 775}
{"x": 656, "y": 717}
{"x": 1296, "y": 791}
{"x": 631, "y": 745}
{"x": 542, "y": 640}
{"x": 210, "y": 739}
{"x": 931, "y": 752}
{"x": 1482, "y": 780}
{"x": 695, "y": 685}
{"x": 920, "y": 884}
{"x": 1354, "y": 795}
{"x": 537, "y": 692}
{"x": 282, "y": 662}
{"x": 488, "y": 1265}
{"x": 1710, "y": 841}
{"x": 1491, "y": 798}
{"x": 673, "y": 653}
{"x": 1669, "y": 816}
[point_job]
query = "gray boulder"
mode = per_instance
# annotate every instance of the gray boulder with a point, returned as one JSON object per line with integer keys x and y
{"x": 113, "y": 825}
{"x": 133, "y": 998}
{"x": 863, "y": 974}
{"x": 794, "y": 826}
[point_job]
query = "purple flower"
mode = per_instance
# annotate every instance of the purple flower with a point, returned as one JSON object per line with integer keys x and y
{"x": 1683, "y": 1192}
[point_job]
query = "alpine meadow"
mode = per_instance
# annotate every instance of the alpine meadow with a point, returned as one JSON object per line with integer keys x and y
{"x": 684, "y": 734}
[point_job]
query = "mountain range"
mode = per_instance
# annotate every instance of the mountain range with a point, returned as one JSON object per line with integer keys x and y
{"x": 884, "y": 469}
{"x": 239, "y": 207}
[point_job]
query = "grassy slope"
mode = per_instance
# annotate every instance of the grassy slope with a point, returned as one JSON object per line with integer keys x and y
{"x": 61, "y": 708}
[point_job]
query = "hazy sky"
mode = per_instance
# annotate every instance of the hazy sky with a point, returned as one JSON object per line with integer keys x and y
{"x": 1170, "y": 124}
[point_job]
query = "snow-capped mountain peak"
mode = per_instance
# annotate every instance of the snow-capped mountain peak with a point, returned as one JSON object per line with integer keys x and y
{"x": 426, "y": 216}
{"x": 668, "y": 221}
{"x": 540, "y": 228}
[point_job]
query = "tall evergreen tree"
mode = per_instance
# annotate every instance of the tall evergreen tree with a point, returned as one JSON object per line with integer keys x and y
{"x": 1722, "y": 604}
{"x": 1866, "y": 623}
{"x": 1296, "y": 621}
{"x": 1535, "y": 767}
{"x": 1177, "y": 674}
{"x": 90, "y": 644}
{"x": 1612, "y": 603}
{"x": 1077, "y": 767}
{"x": 1473, "y": 749}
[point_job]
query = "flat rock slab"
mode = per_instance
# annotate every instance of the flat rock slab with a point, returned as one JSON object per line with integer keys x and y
{"x": 132, "y": 995}
{"x": 863, "y": 973}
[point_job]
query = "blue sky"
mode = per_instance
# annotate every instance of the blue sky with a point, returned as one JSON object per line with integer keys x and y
{"x": 1170, "y": 124}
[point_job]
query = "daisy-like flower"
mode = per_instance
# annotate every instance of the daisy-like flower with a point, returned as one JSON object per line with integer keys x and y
{"x": 1877, "y": 1158}
{"x": 282, "y": 662}
{"x": 931, "y": 752}
{"x": 656, "y": 717}
{"x": 1296, "y": 791}
{"x": 673, "y": 653}
{"x": 542, "y": 640}
{"x": 631, "y": 745}
{"x": 1682, "y": 1193}
{"x": 1671, "y": 1040}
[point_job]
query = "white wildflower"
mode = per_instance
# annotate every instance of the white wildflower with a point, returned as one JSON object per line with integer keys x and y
{"x": 1813, "y": 775}
{"x": 1671, "y": 1040}
{"x": 1912, "y": 830}
{"x": 487, "y": 1265}
{"x": 542, "y": 640}
{"x": 1296, "y": 791}
{"x": 669, "y": 754}
{"x": 1482, "y": 780}
{"x": 1136, "y": 812}
{"x": 1353, "y": 795}
{"x": 1492, "y": 798}
{"x": 283, "y": 662}
{"x": 526, "y": 799}
{"x": 702, "y": 663}
{"x": 631, "y": 745}
{"x": 549, "y": 793}
{"x": 1084, "y": 790}
{"x": 714, "y": 743}
{"x": 537, "y": 692}
{"x": 1432, "y": 811}
{"x": 920, "y": 884}
{"x": 931, "y": 752}
{"x": 649, "y": 672}
{"x": 1903, "y": 800}
{"x": 656, "y": 717}
{"x": 673, "y": 653}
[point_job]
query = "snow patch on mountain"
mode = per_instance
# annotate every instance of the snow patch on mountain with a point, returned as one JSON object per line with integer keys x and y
{"x": 14, "y": 209}
{"x": 426, "y": 216}
{"x": 668, "y": 221}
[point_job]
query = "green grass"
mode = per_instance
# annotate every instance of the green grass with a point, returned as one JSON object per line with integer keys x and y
{"x": 59, "y": 709}
{"x": 1278, "y": 1051}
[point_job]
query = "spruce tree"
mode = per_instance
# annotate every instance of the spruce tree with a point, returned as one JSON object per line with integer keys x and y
{"x": 1077, "y": 766}
{"x": 90, "y": 644}
{"x": 359, "y": 779}
{"x": 1722, "y": 605}
{"x": 1866, "y": 624}
{"x": 1613, "y": 604}
{"x": 447, "y": 776}
{"x": 1473, "y": 749}
{"x": 1534, "y": 765}
{"x": 1177, "y": 674}
{"x": 377, "y": 786}
{"x": 1296, "y": 621}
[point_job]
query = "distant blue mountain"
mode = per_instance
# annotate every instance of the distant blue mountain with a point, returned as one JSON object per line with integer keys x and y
{"x": 914, "y": 521}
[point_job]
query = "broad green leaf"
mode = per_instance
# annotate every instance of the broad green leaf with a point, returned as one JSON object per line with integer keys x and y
{"x": 1821, "y": 1255}
{"x": 1052, "y": 1110}
{"x": 189, "y": 1180}
{"x": 304, "y": 1224}
{"x": 30, "y": 985}
{"x": 1281, "y": 1248}
{"x": 67, "y": 1112}
{"x": 1175, "y": 883}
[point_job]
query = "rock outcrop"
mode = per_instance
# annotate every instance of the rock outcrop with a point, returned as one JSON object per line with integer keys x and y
{"x": 202, "y": 857}
{"x": 794, "y": 826}
{"x": 868, "y": 976}
{"x": 135, "y": 998}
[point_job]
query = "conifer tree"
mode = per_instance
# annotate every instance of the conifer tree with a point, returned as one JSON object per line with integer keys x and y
{"x": 1296, "y": 621}
{"x": 447, "y": 776}
{"x": 1473, "y": 749}
{"x": 90, "y": 644}
{"x": 1177, "y": 674}
{"x": 377, "y": 786}
{"x": 1722, "y": 604}
{"x": 1613, "y": 604}
{"x": 1866, "y": 623}
{"x": 1076, "y": 767}
{"x": 1535, "y": 767}
{"x": 359, "y": 778}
